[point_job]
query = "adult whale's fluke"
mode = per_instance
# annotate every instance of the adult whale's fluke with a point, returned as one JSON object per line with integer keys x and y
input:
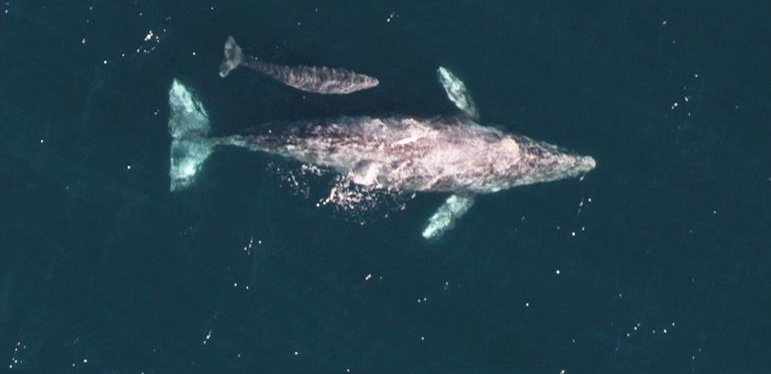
{"x": 321, "y": 80}
{"x": 189, "y": 127}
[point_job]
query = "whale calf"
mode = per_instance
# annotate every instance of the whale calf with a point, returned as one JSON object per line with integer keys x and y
{"x": 447, "y": 154}
{"x": 321, "y": 80}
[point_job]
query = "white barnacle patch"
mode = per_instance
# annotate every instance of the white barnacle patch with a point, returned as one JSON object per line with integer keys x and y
{"x": 510, "y": 146}
{"x": 508, "y": 150}
{"x": 407, "y": 140}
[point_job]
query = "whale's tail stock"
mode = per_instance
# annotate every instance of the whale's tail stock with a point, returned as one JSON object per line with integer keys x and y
{"x": 233, "y": 57}
{"x": 189, "y": 128}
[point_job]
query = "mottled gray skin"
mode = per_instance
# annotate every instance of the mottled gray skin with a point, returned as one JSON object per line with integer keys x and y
{"x": 446, "y": 154}
{"x": 321, "y": 80}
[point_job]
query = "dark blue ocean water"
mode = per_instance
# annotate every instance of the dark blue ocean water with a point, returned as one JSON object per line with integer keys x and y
{"x": 656, "y": 262}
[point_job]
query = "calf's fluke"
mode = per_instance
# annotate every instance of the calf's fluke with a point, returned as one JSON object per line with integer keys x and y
{"x": 233, "y": 57}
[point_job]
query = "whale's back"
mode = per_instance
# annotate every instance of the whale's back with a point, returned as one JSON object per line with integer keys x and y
{"x": 439, "y": 153}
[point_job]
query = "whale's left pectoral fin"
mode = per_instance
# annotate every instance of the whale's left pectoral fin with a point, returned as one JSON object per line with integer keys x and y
{"x": 457, "y": 92}
{"x": 444, "y": 218}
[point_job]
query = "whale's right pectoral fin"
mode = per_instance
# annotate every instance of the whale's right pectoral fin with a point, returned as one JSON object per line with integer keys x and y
{"x": 444, "y": 218}
{"x": 457, "y": 92}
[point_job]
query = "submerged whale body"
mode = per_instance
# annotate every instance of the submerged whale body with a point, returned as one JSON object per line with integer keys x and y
{"x": 451, "y": 154}
{"x": 321, "y": 80}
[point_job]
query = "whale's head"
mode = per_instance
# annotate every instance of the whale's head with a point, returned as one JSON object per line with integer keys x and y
{"x": 533, "y": 161}
{"x": 585, "y": 164}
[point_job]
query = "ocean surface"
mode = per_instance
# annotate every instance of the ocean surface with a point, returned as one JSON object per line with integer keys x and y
{"x": 655, "y": 262}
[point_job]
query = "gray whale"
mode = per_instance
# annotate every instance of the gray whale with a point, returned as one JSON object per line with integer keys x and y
{"x": 315, "y": 79}
{"x": 438, "y": 154}
{"x": 449, "y": 154}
